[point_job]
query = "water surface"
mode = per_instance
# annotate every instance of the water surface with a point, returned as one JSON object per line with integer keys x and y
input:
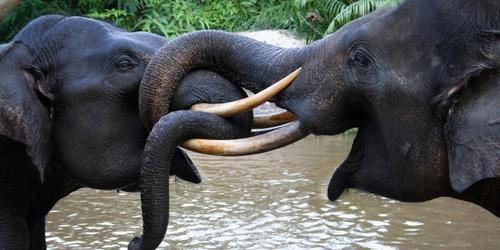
{"x": 275, "y": 200}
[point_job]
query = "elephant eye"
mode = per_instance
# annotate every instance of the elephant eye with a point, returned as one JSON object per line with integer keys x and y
{"x": 361, "y": 61}
{"x": 125, "y": 63}
{"x": 360, "y": 58}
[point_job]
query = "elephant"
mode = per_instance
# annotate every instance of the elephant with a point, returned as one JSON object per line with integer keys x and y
{"x": 419, "y": 81}
{"x": 69, "y": 118}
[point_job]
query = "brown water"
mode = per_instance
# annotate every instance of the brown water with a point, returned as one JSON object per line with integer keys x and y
{"x": 275, "y": 200}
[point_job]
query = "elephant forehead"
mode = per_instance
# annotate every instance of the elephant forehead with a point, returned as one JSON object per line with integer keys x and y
{"x": 141, "y": 39}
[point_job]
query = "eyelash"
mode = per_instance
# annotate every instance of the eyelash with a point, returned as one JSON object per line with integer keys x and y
{"x": 360, "y": 58}
{"x": 125, "y": 63}
{"x": 119, "y": 61}
{"x": 363, "y": 64}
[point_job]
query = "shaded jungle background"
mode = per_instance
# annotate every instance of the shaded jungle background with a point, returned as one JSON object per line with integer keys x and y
{"x": 311, "y": 19}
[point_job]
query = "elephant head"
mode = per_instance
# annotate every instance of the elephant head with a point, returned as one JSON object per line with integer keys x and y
{"x": 69, "y": 88}
{"x": 69, "y": 116}
{"x": 419, "y": 80}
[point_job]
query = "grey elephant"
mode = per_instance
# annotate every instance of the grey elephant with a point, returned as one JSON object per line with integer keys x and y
{"x": 69, "y": 117}
{"x": 420, "y": 81}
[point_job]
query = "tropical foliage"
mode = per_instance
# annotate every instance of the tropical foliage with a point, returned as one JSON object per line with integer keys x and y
{"x": 326, "y": 16}
{"x": 311, "y": 18}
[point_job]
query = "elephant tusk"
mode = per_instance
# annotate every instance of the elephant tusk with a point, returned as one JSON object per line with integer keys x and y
{"x": 252, "y": 145}
{"x": 260, "y": 131}
{"x": 273, "y": 120}
{"x": 232, "y": 108}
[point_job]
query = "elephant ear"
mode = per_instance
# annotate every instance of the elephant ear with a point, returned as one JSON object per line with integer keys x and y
{"x": 23, "y": 117}
{"x": 473, "y": 126}
{"x": 183, "y": 167}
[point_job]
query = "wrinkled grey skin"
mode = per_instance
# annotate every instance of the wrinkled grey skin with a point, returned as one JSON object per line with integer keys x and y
{"x": 420, "y": 81}
{"x": 69, "y": 117}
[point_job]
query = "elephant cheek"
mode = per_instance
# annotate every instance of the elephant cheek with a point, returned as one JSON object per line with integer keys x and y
{"x": 97, "y": 161}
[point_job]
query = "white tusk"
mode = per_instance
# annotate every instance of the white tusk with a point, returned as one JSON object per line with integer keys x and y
{"x": 232, "y": 108}
{"x": 260, "y": 131}
{"x": 252, "y": 145}
{"x": 273, "y": 120}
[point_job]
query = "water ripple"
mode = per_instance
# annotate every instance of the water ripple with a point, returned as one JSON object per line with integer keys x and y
{"x": 276, "y": 200}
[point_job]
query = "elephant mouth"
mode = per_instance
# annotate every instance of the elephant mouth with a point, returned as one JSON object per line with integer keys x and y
{"x": 284, "y": 128}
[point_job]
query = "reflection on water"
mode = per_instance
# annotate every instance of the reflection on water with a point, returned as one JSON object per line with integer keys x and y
{"x": 275, "y": 200}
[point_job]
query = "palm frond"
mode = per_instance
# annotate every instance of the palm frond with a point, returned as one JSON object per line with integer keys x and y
{"x": 334, "y": 7}
{"x": 357, "y": 9}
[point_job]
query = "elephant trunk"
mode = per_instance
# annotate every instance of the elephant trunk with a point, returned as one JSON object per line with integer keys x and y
{"x": 167, "y": 133}
{"x": 251, "y": 64}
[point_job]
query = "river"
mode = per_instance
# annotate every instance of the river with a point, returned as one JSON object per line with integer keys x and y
{"x": 275, "y": 200}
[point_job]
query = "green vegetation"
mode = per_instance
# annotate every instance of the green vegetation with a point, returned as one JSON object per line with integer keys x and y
{"x": 313, "y": 19}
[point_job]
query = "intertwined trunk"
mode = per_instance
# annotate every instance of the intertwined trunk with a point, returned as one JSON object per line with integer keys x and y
{"x": 166, "y": 135}
{"x": 251, "y": 64}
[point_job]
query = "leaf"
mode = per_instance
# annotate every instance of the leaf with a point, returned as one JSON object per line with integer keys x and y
{"x": 355, "y": 10}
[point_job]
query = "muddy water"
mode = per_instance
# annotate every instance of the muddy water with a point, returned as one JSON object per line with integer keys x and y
{"x": 275, "y": 200}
